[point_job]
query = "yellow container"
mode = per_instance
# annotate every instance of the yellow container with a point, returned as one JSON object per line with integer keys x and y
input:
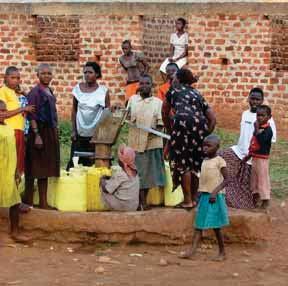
{"x": 70, "y": 192}
{"x": 51, "y": 192}
{"x": 171, "y": 199}
{"x": 94, "y": 201}
{"x": 155, "y": 196}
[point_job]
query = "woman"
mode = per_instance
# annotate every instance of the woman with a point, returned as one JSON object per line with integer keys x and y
{"x": 89, "y": 101}
{"x": 178, "y": 47}
{"x": 135, "y": 65}
{"x": 42, "y": 151}
{"x": 192, "y": 121}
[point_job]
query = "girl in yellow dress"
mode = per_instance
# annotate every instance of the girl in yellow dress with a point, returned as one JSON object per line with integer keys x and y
{"x": 9, "y": 195}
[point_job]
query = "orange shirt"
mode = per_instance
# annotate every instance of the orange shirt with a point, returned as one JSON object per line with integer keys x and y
{"x": 161, "y": 94}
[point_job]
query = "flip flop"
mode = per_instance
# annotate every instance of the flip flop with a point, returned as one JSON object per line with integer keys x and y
{"x": 180, "y": 206}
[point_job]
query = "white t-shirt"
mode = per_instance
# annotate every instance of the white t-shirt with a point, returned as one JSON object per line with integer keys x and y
{"x": 246, "y": 133}
{"x": 179, "y": 43}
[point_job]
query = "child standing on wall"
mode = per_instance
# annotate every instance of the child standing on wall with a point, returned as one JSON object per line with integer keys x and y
{"x": 259, "y": 150}
{"x": 9, "y": 195}
{"x": 212, "y": 210}
{"x": 145, "y": 110}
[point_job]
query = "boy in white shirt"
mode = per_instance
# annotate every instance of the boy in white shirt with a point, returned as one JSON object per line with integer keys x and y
{"x": 238, "y": 193}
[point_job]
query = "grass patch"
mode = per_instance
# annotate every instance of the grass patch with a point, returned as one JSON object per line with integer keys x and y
{"x": 278, "y": 160}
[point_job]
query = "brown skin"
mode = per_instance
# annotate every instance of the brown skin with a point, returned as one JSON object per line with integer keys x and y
{"x": 133, "y": 73}
{"x": 90, "y": 85}
{"x": 13, "y": 81}
{"x": 255, "y": 99}
{"x": 210, "y": 148}
{"x": 170, "y": 72}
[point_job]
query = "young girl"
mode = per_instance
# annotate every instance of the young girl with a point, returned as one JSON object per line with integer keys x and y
{"x": 212, "y": 210}
{"x": 178, "y": 47}
{"x": 121, "y": 191}
{"x": 146, "y": 111}
{"x": 259, "y": 150}
{"x": 9, "y": 195}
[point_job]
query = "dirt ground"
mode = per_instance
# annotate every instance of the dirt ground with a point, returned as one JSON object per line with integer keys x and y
{"x": 48, "y": 263}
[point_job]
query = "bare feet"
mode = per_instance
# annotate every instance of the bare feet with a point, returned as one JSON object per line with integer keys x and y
{"x": 187, "y": 254}
{"x": 21, "y": 238}
{"x": 220, "y": 257}
{"x": 23, "y": 208}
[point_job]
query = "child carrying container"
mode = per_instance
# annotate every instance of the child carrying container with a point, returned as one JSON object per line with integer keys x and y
{"x": 121, "y": 191}
{"x": 211, "y": 210}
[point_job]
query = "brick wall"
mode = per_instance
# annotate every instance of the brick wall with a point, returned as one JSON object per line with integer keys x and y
{"x": 230, "y": 53}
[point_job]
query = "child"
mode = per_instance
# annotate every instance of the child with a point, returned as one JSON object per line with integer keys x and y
{"x": 212, "y": 210}
{"x": 171, "y": 69}
{"x": 259, "y": 150}
{"x": 9, "y": 195}
{"x": 178, "y": 47}
{"x": 238, "y": 193}
{"x": 146, "y": 111}
{"x": 14, "y": 115}
{"x": 121, "y": 191}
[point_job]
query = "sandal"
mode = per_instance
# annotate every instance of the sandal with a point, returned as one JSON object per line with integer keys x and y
{"x": 182, "y": 206}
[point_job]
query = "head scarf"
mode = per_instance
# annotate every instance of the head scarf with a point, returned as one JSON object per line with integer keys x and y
{"x": 127, "y": 157}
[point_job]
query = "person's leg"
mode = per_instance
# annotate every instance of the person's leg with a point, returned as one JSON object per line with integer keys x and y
{"x": 42, "y": 187}
{"x": 194, "y": 187}
{"x": 186, "y": 183}
{"x": 254, "y": 183}
{"x": 220, "y": 241}
{"x": 195, "y": 242}
{"x": 143, "y": 199}
{"x": 29, "y": 191}
{"x": 14, "y": 225}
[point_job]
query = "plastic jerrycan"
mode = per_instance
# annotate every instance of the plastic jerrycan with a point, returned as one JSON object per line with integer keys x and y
{"x": 94, "y": 201}
{"x": 155, "y": 196}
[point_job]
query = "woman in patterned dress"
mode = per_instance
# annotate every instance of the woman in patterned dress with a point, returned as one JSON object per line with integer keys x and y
{"x": 192, "y": 121}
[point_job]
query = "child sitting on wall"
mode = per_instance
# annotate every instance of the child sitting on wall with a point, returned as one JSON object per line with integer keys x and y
{"x": 121, "y": 191}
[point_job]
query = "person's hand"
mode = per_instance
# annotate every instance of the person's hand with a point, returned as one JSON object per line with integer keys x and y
{"x": 166, "y": 151}
{"x": 17, "y": 178}
{"x": 74, "y": 135}
{"x": 171, "y": 60}
{"x": 38, "y": 142}
{"x": 29, "y": 108}
{"x": 212, "y": 198}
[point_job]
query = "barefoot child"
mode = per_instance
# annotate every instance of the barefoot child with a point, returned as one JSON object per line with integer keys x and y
{"x": 211, "y": 210}
{"x": 259, "y": 150}
{"x": 9, "y": 196}
{"x": 121, "y": 191}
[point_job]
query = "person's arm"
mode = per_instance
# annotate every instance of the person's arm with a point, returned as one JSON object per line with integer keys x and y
{"x": 210, "y": 115}
{"x": 38, "y": 142}
{"x": 220, "y": 187}
{"x": 11, "y": 113}
{"x": 107, "y": 100}
{"x": 73, "y": 119}
{"x": 166, "y": 107}
{"x": 171, "y": 53}
{"x": 121, "y": 63}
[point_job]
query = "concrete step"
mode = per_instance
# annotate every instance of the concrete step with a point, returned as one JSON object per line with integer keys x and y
{"x": 156, "y": 226}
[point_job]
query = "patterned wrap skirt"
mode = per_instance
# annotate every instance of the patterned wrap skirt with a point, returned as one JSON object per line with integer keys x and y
{"x": 238, "y": 191}
{"x": 209, "y": 216}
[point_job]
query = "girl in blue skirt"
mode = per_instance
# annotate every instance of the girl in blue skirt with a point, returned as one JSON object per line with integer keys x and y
{"x": 212, "y": 210}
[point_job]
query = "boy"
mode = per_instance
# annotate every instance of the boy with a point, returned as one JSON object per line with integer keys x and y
{"x": 9, "y": 195}
{"x": 259, "y": 150}
{"x": 146, "y": 111}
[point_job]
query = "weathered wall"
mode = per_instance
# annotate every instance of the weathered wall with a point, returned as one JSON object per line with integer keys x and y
{"x": 231, "y": 51}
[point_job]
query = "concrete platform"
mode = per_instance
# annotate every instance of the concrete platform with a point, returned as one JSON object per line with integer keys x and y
{"x": 156, "y": 226}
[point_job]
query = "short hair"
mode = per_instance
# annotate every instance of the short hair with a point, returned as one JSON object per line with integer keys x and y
{"x": 11, "y": 69}
{"x": 147, "y": 76}
{"x": 43, "y": 66}
{"x": 127, "y": 42}
{"x": 95, "y": 67}
{"x": 185, "y": 76}
{"x": 265, "y": 107}
{"x": 258, "y": 90}
{"x": 172, "y": 64}
{"x": 213, "y": 137}
{"x": 183, "y": 21}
